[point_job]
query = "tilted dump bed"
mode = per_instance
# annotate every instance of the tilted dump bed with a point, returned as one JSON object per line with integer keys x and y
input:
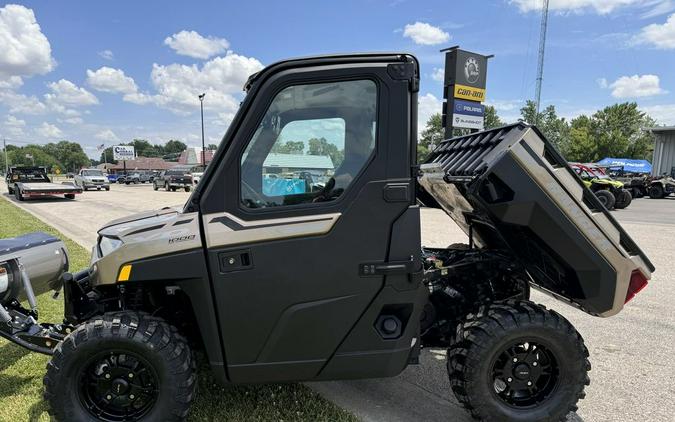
{"x": 509, "y": 188}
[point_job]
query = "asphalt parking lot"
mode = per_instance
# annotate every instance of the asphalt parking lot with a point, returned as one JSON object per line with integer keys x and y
{"x": 633, "y": 375}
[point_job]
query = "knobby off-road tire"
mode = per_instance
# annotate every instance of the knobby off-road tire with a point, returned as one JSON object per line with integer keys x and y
{"x": 606, "y": 198}
{"x": 549, "y": 353}
{"x": 121, "y": 362}
{"x": 656, "y": 192}
{"x": 624, "y": 199}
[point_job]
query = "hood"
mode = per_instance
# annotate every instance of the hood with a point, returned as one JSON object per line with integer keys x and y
{"x": 139, "y": 221}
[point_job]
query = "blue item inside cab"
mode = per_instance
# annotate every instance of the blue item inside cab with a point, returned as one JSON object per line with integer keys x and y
{"x": 283, "y": 187}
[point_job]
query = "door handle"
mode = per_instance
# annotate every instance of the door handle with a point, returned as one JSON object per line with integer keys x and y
{"x": 234, "y": 261}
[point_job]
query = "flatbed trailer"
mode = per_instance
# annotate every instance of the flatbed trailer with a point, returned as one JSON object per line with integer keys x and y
{"x": 33, "y": 182}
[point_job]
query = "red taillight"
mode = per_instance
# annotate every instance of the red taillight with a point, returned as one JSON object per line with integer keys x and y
{"x": 637, "y": 282}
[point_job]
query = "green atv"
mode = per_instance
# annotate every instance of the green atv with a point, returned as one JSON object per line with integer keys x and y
{"x": 611, "y": 193}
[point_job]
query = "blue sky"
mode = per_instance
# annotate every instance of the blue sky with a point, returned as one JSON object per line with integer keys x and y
{"x": 107, "y": 72}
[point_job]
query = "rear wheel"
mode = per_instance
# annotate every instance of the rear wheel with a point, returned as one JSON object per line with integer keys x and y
{"x": 606, "y": 198}
{"x": 623, "y": 200}
{"x": 187, "y": 188}
{"x": 121, "y": 367}
{"x": 656, "y": 191}
{"x": 69, "y": 196}
{"x": 518, "y": 361}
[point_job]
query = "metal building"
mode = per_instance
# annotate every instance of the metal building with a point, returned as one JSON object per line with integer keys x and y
{"x": 664, "y": 151}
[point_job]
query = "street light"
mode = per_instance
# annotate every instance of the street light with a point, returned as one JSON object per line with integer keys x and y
{"x": 201, "y": 106}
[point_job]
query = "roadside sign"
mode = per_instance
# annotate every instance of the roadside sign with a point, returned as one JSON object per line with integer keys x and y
{"x": 463, "y": 90}
{"x": 123, "y": 152}
{"x": 470, "y": 108}
{"x": 467, "y": 69}
{"x": 469, "y": 93}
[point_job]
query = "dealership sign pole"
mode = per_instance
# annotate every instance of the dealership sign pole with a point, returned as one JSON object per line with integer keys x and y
{"x": 464, "y": 90}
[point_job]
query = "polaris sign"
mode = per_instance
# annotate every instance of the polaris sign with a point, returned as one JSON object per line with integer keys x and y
{"x": 467, "y": 114}
{"x": 123, "y": 152}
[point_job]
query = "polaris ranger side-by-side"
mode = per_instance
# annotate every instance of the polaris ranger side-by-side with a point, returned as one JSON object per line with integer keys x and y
{"x": 332, "y": 283}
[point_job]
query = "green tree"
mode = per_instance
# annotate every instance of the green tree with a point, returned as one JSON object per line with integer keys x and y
{"x": 321, "y": 146}
{"x": 434, "y": 132}
{"x": 290, "y": 147}
{"x": 69, "y": 154}
{"x": 174, "y": 146}
{"x": 615, "y": 131}
{"x": 22, "y": 157}
{"x": 554, "y": 128}
{"x": 212, "y": 147}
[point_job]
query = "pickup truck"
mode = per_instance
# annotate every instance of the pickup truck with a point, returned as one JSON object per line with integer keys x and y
{"x": 172, "y": 180}
{"x": 92, "y": 179}
{"x": 33, "y": 182}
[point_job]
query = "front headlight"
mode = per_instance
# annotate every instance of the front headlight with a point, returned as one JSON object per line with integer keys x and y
{"x": 108, "y": 244}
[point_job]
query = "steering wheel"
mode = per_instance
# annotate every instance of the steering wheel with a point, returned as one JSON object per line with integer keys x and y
{"x": 328, "y": 192}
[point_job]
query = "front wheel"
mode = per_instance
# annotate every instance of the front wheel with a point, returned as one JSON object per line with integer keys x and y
{"x": 623, "y": 200}
{"x": 154, "y": 186}
{"x": 121, "y": 367}
{"x": 518, "y": 361}
{"x": 187, "y": 188}
{"x": 606, "y": 198}
{"x": 656, "y": 192}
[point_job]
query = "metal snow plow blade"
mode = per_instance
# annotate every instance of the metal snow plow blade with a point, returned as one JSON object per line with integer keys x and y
{"x": 509, "y": 188}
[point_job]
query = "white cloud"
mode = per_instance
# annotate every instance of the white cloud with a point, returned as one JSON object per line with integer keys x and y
{"x": 25, "y": 50}
{"x": 14, "y": 127}
{"x": 107, "y": 135}
{"x": 49, "y": 131}
{"x": 192, "y": 44}
{"x": 107, "y": 55}
{"x": 661, "y": 36}
{"x": 221, "y": 78}
{"x": 425, "y": 34}
{"x": 427, "y": 105}
{"x": 601, "y": 7}
{"x": 438, "y": 74}
{"x": 107, "y": 79}
{"x": 602, "y": 83}
{"x": 663, "y": 113}
{"x": 636, "y": 86}
{"x": 67, "y": 93}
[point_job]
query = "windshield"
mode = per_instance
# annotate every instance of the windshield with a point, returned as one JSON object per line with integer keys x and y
{"x": 92, "y": 173}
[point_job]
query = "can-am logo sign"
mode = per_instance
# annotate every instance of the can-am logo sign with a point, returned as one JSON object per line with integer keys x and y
{"x": 123, "y": 152}
{"x": 471, "y": 70}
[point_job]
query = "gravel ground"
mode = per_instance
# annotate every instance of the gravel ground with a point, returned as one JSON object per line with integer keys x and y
{"x": 633, "y": 376}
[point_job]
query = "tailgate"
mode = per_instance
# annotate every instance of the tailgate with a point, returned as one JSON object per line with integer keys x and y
{"x": 509, "y": 188}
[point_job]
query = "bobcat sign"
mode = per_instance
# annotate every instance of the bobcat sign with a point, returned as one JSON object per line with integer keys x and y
{"x": 123, "y": 152}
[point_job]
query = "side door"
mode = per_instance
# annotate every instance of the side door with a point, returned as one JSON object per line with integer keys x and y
{"x": 299, "y": 213}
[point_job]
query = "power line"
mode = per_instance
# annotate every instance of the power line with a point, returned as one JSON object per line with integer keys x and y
{"x": 540, "y": 61}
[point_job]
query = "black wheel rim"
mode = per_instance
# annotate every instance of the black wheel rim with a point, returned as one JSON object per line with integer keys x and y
{"x": 118, "y": 386}
{"x": 525, "y": 374}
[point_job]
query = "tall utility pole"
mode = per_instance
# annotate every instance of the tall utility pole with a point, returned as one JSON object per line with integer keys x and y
{"x": 4, "y": 149}
{"x": 201, "y": 106}
{"x": 540, "y": 63}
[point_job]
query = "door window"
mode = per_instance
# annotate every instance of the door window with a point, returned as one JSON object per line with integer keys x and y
{"x": 311, "y": 145}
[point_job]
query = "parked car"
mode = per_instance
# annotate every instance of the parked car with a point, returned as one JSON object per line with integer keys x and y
{"x": 173, "y": 179}
{"x": 112, "y": 178}
{"x": 92, "y": 179}
{"x": 129, "y": 178}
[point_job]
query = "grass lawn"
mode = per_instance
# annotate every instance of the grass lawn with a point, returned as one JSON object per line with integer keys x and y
{"x": 21, "y": 371}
